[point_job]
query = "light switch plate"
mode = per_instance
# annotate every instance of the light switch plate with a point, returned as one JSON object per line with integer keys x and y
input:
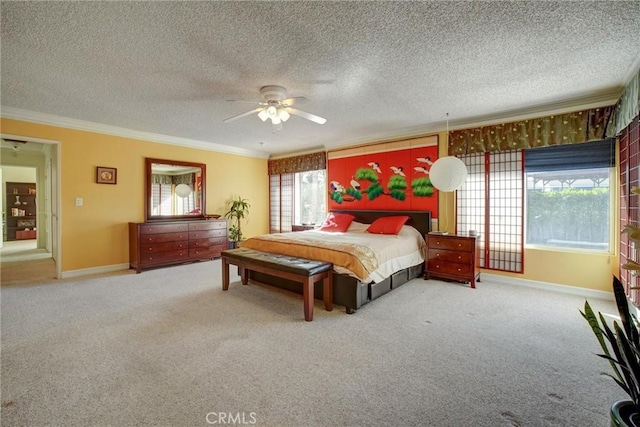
{"x": 79, "y": 201}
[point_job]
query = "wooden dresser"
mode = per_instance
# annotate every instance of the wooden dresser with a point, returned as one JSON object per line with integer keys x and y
{"x": 155, "y": 244}
{"x": 452, "y": 256}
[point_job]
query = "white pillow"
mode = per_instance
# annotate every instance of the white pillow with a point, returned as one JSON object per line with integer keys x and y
{"x": 357, "y": 227}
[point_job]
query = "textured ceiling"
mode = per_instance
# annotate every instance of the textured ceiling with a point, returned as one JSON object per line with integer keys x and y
{"x": 373, "y": 70}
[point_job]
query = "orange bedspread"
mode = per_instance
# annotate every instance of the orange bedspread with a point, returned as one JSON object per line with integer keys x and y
{"x": 357, "y": 257}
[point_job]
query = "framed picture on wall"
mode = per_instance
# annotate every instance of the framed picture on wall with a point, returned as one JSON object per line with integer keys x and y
{"x": 105, "y": 175}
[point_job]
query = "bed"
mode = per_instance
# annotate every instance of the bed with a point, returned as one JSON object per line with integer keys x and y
{"x": 353, "y": 285}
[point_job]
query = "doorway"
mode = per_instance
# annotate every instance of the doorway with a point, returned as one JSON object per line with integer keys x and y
{"x": 34, "y": 254}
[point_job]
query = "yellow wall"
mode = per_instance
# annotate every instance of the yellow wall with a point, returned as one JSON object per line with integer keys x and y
{"x": 96, "y": 234}
{"x": 581, "y": 269}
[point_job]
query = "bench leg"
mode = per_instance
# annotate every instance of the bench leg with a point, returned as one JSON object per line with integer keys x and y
{"x": 225, "y": 274}
{"x": 327, "y": 294}
{"x": 244, "y": 275}
{"x": 307, "y": 297}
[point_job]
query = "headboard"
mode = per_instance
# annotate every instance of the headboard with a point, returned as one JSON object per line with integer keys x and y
{"x": 420, "y": 220}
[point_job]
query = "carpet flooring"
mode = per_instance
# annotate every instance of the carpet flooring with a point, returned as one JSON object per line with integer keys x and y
{"x": 168, "y": 347}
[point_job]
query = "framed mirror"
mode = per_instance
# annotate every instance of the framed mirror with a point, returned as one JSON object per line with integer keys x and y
{"x": 174, "y": 190}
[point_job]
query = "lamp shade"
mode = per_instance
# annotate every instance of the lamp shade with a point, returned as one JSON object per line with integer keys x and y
{"x": 183, "y": 190}
{"x": 448, "y": 173}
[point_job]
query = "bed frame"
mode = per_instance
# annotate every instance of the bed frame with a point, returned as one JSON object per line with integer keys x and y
{"x": 349, "y": 291}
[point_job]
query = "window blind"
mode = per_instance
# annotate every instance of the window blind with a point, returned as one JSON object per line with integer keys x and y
{"x": 589, "y": 155}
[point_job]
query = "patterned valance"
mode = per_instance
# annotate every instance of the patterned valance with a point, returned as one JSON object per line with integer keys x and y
{"x": 569, "y": 128}
{"x": 628, "y": 106}
{"x": 161, "y": 179}
{"x": 303, "y": 163}
{"x": 187, "y": 178}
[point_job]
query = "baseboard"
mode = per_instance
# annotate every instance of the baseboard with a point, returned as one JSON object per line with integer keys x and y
{"x": 94, "y": 270}
{"x": 553, "y": 287}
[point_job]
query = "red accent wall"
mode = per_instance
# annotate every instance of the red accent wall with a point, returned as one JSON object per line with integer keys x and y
{"x": 393, "y": 180}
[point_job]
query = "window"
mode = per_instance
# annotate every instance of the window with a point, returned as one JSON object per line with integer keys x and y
{"x": 568, "y": 197}
{"x": 297, "y": 191}
{"x": 490, "y": 202}
{"x": 163, "y": 201}
{"x": 297, "y": 198}
{"x": 310, "y": 197}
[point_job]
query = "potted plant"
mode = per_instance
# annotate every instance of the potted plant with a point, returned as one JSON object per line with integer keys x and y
{"x": 238, "y": 210}
{"x": 621, "y": 347}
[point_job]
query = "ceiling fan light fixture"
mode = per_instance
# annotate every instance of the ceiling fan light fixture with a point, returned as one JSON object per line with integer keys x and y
{"x": 283, "y": 114}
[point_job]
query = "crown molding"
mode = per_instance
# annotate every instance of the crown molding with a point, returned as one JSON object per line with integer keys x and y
{"x": 66, "y": 122}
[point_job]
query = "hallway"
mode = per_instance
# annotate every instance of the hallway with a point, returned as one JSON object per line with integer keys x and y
{"x": 22, "y": 263}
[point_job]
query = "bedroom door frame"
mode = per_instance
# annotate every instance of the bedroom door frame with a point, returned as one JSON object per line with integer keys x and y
{"x": 53, "y": 202}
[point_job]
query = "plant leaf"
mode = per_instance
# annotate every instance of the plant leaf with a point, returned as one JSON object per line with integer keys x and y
{"x": 623, "y": 309}
{"x": 630, "y": 367}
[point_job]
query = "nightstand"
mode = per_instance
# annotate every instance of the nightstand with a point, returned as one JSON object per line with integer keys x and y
{"x": 451, "y": 256}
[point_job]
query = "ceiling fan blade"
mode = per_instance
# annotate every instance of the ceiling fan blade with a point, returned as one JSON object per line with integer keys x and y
{"x": 247, "y": 102}
{"x": 316, "y": 119}
{"x": 294, "y": 100}
{"x": 239, "y": 116}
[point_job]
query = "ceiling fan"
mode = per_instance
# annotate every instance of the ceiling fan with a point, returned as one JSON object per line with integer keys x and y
{"x": 277, "y": 107}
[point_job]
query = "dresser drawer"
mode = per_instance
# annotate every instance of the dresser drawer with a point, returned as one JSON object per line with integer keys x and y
{"x": 147, "y": 260}
{"x": 203, "y": 253}
{"x": 453, "y": 243}
{"x": 436, "y": 266}
{"x": 449, "y": 256}
{"x": 160, "y": 238}
{"x": 162, "y": 247}
{"x": 163, "y": 228}
{"x": 205, "y": 243}
{"x": 207, "y": 234}
{"x": 208, "y": 225}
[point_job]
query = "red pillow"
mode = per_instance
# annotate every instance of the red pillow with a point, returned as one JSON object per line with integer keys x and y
{"x": 387, "y": 225}
{"x": 337, "y": 222}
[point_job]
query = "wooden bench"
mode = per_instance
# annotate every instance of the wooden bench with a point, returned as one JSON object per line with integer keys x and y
{"x": 301, "y": 270}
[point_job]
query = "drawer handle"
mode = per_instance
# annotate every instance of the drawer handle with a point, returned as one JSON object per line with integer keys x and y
{"x": 437, "y": 243}
{"x": 150, "y": 249}
{"x": 437, "y": 254}
{"x": 459, "y": 269}
{"x": 459, "y": 257}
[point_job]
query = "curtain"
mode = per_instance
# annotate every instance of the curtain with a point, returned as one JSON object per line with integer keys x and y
{"x": 161, "y": 179}
{"x": 569, "y": 128}
{"x": 597, "y": 154}
{"x": 187, "y": 178}
{"x": 628, "y": 105}
{"x": 303, "y": 163}
{"x": 491, "y": 202}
